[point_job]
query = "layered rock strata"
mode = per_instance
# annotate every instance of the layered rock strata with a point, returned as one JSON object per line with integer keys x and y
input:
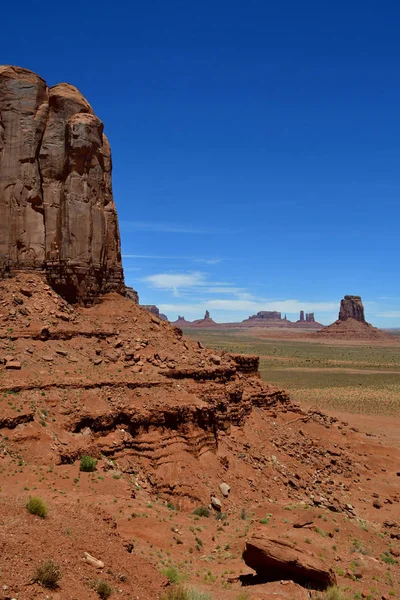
{"x": 56, "y": 205}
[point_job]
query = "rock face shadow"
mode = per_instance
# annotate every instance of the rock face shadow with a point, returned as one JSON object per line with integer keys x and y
{"x": 251, "y": 579}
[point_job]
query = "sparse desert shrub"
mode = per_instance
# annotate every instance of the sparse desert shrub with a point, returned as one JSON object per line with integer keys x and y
{"x": 173, "y": 575}
{"x": 177, "y": 593}
{"x": 103, "y": 589}
{"x": 220, "y": 516}
{"x": 333, "y": 593}
{"x": 48, "y": 574}
{"x": 388, "y": 559}
{"x": 88, "y": 464}
{"x": 185, "y": 593}
{"x": 193, "y": 594}
{"x": 37, "y": 506}
{"x": 201, "y": 511}
{"x": 265, "y": 520}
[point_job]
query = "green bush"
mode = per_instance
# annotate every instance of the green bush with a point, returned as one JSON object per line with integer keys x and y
{"x": 388, "y": 558}
{"x": 185, "y": 593}
{"x": 47, "y": 574}
{"x": 333, "y": 593}
{"x": 173, "y": 575}
{"x": 37, "y": 506}
{"x": 201, "y": 511}
{"x": 220, "y": 516}
{"x": 178, "y": 593}
{"x": 103, "y": 589}
{"x": 88, "y": 464}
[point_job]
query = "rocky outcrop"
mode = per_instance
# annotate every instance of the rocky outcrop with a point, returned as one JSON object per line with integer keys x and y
{"x": 351, "y": 307}
{"x": 132, "y": 294}
{"x": 56, "y": 205}
{"x": 280, "y": 559}
{"x": 154, "y": 310}
{"x": 307, "y": 321}
{"x": 308, "y": 318}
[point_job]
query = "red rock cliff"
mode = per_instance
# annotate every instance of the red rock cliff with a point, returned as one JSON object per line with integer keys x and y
{"x": 56, "y": 205}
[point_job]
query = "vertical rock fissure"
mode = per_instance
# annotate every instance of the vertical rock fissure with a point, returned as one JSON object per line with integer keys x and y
{"x": 41, "y": 188}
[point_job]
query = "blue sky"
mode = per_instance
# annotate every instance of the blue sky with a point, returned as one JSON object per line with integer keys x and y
{"x": 256, "y": 144}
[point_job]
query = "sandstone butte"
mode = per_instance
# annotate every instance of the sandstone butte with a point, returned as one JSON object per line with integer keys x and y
{"x": 172, "y": 425}
{"x": 351, "y": 324}
{"x": 56, "y": 204}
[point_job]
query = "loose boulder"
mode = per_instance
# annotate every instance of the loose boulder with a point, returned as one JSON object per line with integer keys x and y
{"x": 216, "y": 503}
{"x": 280, "y": 559}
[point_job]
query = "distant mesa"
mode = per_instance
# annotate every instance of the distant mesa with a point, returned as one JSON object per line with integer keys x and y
{"x": 181, "y": 322}
{"x": 274, "y": 319}
{"x": 351, "y": 324}
{"x": 264, "y": 318}
{"x": 266, "y": 314}
{"x": 205, "y": 322}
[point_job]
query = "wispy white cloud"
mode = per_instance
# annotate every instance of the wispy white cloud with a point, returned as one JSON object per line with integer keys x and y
{"x": 197, "y": 283}
{"x": 221, "y": 289}
{"x": 208, "y": 261}
{"x": 390, "y": 314}
{"x": 175, "y": 281}
{"x": 288, "y": 306}
{"x": 250, "y": 306}
{"x": 199, "y": 293}
{"x": 194, "y": 282}
{"x": 154, "y": 227}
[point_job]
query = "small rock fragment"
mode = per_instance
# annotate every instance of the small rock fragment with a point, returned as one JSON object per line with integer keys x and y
{"x": 225, "y": 489}
{"x": 91, "y": 560}
{"x": 13, "y": 364}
